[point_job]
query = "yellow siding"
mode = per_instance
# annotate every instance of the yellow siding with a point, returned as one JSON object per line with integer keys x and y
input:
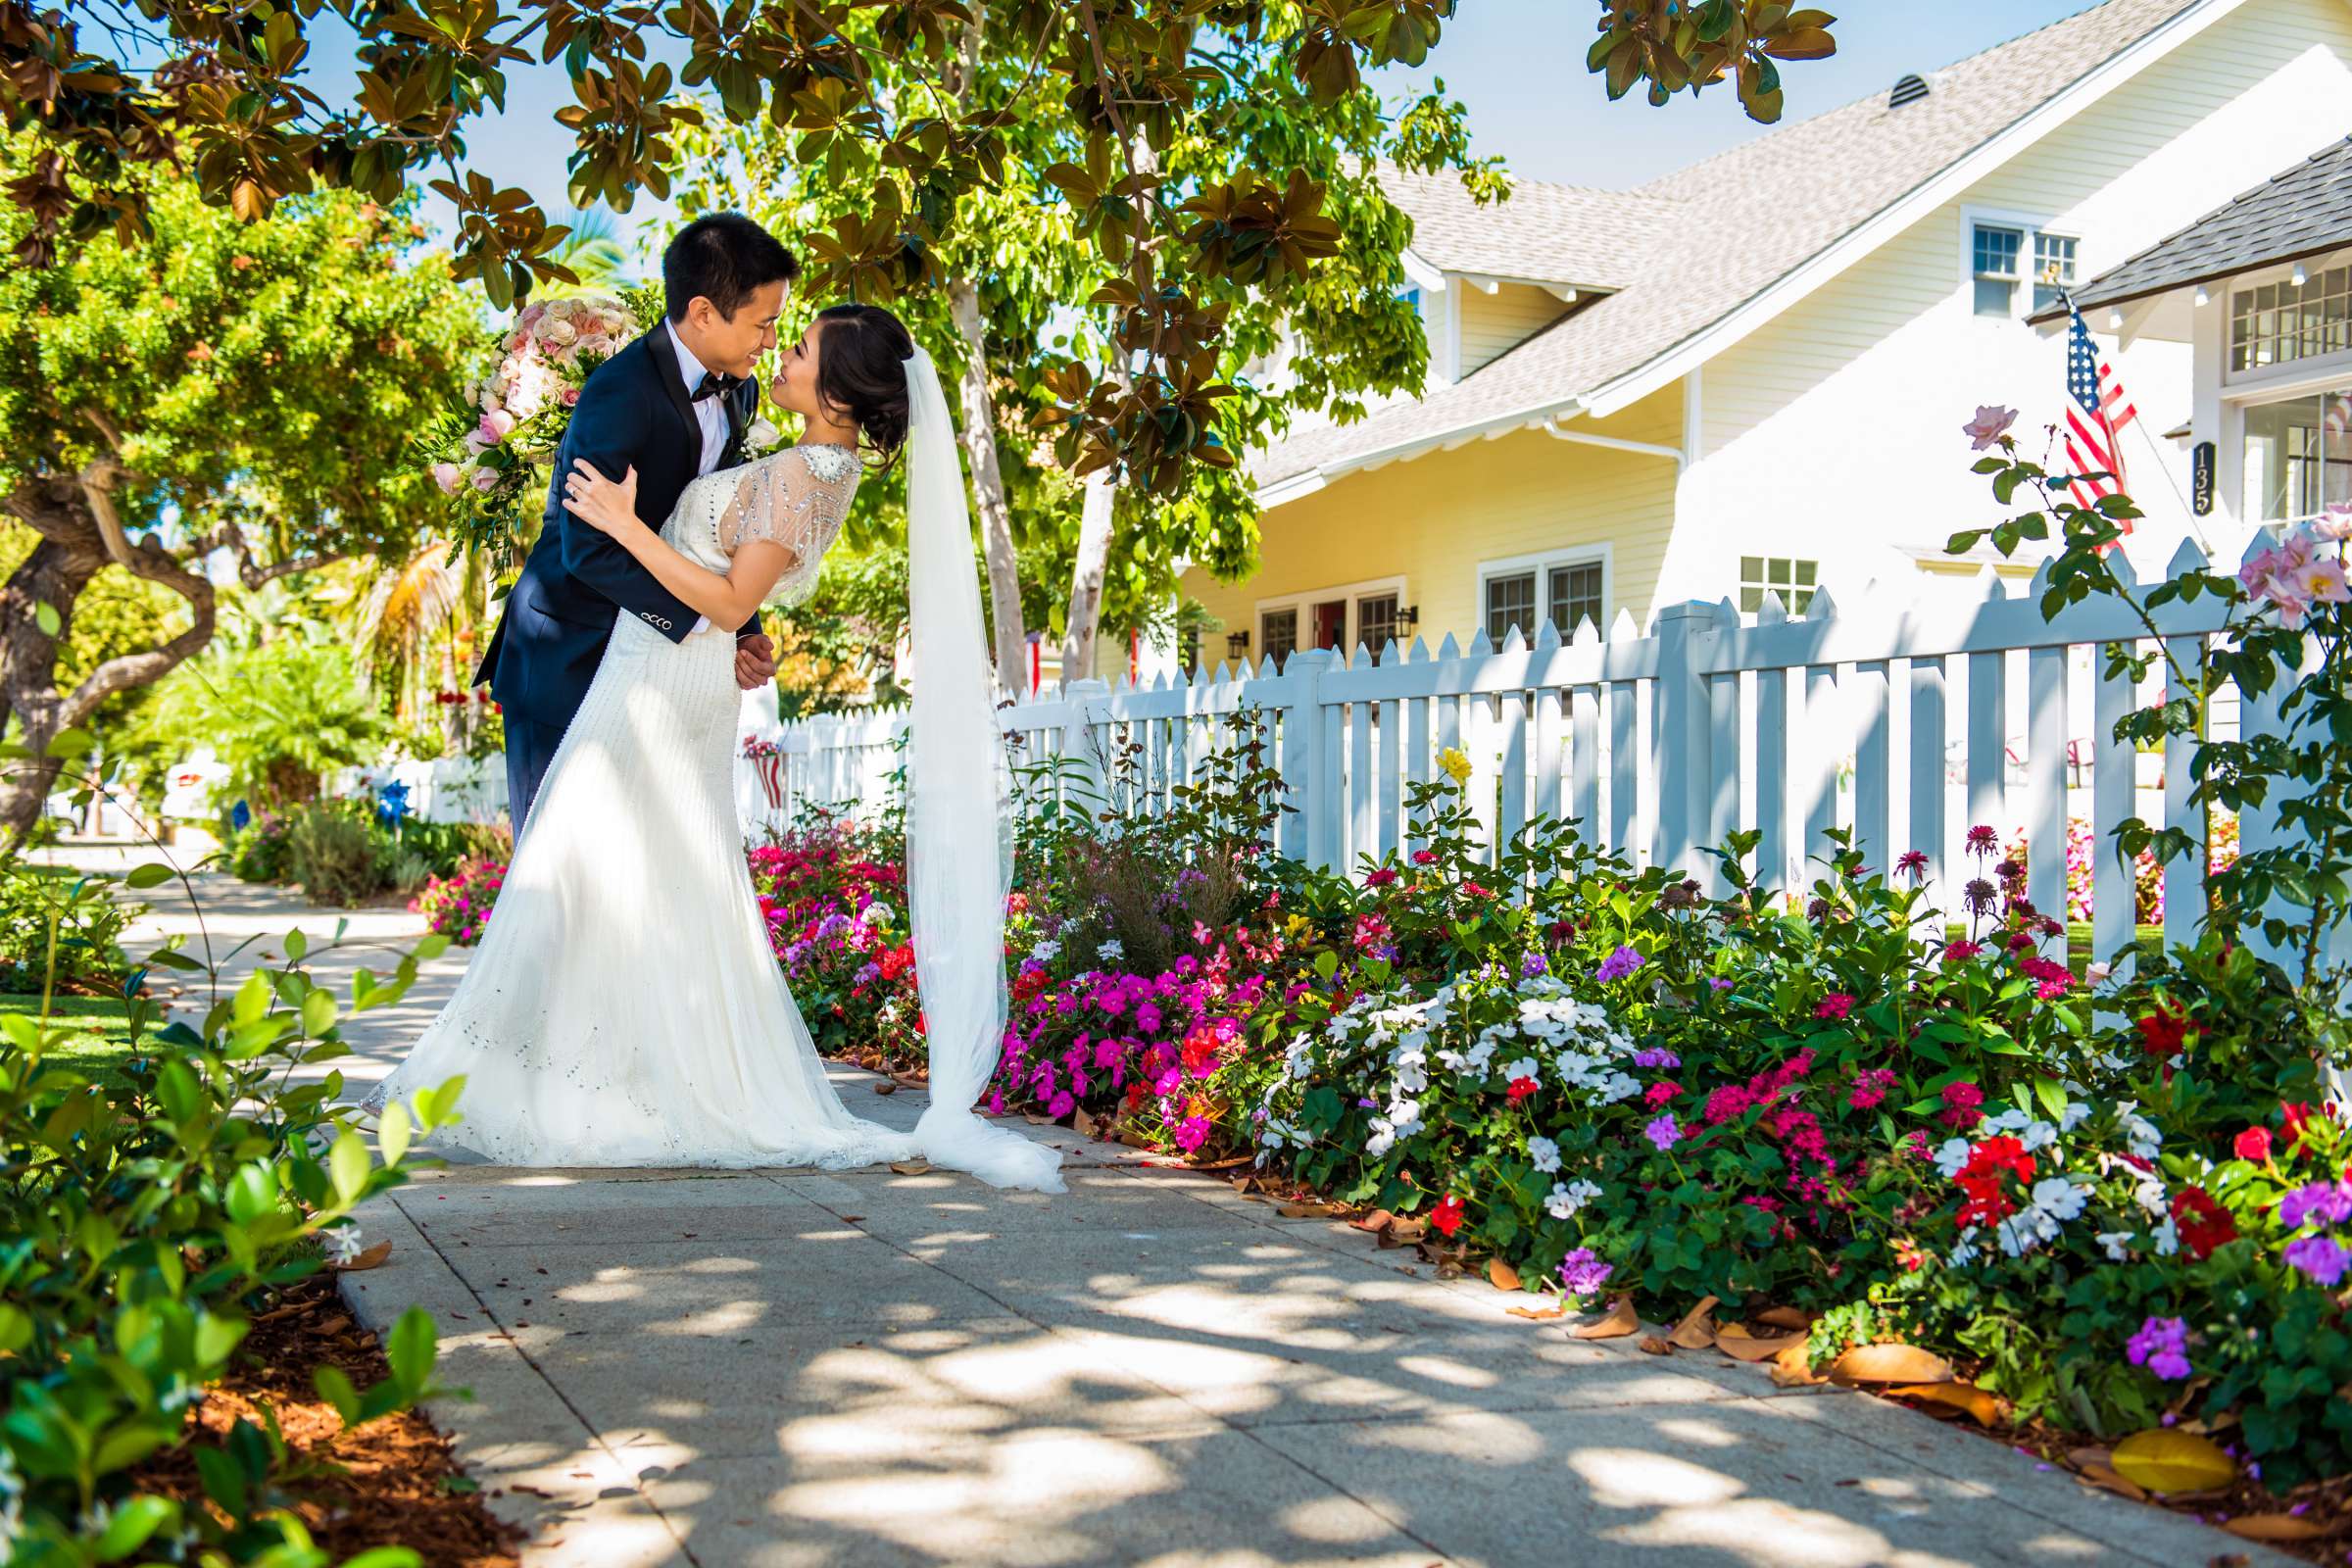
{"x": 1434, "y": 520}
{"x": 1832, "y": 432}
{"x": 1493, "y": 325}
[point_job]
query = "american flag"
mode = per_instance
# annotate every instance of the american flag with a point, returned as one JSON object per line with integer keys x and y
{"x": 2096, "y": 411}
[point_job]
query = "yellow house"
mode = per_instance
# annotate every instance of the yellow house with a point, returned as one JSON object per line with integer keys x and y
{"x": 1749, "y": 376}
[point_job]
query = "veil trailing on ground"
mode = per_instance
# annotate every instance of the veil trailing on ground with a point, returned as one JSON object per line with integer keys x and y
{"x": 957, "y": 828}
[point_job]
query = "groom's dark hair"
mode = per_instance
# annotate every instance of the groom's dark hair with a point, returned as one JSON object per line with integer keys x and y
{"x": 722, "y": 257}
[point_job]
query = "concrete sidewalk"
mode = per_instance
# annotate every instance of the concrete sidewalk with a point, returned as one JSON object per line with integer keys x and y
{"x": 797, "y": 1369}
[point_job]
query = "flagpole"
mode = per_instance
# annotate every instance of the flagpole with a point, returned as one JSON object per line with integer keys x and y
{"x": 2148, "y": 436}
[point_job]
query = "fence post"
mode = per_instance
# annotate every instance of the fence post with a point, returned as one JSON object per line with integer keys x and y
{"x": 1679, "y": 740}
{"x": 1085, "y": 781}
{"x": 1309, "y": 762}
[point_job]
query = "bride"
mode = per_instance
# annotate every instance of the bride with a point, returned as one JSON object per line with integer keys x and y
{"x": 624, "y": 1008}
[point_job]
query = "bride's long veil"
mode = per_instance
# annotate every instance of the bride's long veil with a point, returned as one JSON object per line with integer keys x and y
{"x": 957, "y": 833}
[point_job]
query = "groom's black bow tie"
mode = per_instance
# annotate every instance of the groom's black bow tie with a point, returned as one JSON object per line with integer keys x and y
{"x": 715, "y": 385}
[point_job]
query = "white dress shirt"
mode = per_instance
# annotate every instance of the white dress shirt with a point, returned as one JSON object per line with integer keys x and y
{"x": 709, "y": 413}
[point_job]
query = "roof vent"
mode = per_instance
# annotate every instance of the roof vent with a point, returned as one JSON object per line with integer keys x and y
{"x": 1909, "y": 90}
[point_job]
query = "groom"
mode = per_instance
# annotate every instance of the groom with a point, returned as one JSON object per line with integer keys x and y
{"x": 673, "y": 405}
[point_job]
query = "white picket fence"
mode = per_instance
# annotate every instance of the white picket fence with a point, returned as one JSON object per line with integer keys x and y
{"x": 1662, "y": 745}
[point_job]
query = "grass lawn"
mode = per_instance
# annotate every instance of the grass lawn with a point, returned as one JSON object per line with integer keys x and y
{"x": 101, "y": 1037}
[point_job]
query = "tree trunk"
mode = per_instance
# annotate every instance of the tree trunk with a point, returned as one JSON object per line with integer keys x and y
{"x": 1086, "y": 577}
{"x": 979, "y": 429}
{"x": 81, "y": 533}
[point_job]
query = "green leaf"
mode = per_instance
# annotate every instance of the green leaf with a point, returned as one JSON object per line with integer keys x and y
{"x": 335, "y": 1388}
{"x": 297, "y": 944}
{"x": 318, "y": 1011}
{"x": 132, "y": 1524}
{"x": 155, "y": 873}
{"x": 45, "y": 616}
{"x": 251, "y": 1193}
{"x": 223, "y": 1481}
{"x": 347, "y": 1162}
{"x": 392, "y": 1133}
{"x": 410, "y": 1348}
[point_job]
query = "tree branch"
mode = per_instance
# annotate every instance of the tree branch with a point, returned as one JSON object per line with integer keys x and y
{"x": 152, "y": 563}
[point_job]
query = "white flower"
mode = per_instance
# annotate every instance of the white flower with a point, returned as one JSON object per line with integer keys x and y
{"x": 1545, "y": 1153}
{"x": 2023, "y": 1231}
{"x": 1382, "y": 1139}
{"x": 1046, "y": 951}
{"x": 1113, "y": 947}
{"x": 2037, "y": 1135}
{"x": 2076, "y": 1111}
{"x": 879, "y": 913}
{"x": 343, "y": 1243}
{"x": 1524, "y": 1067}
{"x": 1953, "y": 1156}
{"x": 2059, "y": 1197}
{"x": 2118, "y": 1245}
{"x": 2168, "y": 1238}
{"x": 2140, "y": 1132}
{"x": 1412, "y": 1071}
{"x": 1964, "y": 1250}
{"x": 761, "y": 435}
{"x": 1404, "y": 1116}
{"x": 1619, "y": 1086}
{"x": 1567, "y": 1197}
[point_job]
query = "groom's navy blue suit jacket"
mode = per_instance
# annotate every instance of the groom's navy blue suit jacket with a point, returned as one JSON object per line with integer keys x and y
{"x": 633, "y": 413}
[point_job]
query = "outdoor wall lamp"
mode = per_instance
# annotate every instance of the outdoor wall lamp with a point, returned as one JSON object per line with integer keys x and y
{"x": 1236, "y": 644}
{"x": 1408, "y": 616}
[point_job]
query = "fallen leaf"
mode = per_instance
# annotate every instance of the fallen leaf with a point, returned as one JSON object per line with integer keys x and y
{"x": 1133, "y": 1139}
{"x": 2085, "y": 1458}
{"x": 2272, "y": 1527}
{"x": 1502, "y": 1275}
{"x": 1620, "y": 1321}
{"x": 1083, "y": 1123}
{"x": 368, "y": 1257}
{"x": 2106, "y": 1479}
{"x": 1310, "y": 1210}
{"x": 1380, "y": 1219}
{"x": 2172, "y": 1461}
{"x": 1734, "y": 1340}
{"x": 910, "y": 1167}
{"x": 1651, "y": 1345}
{"x": 1539, "y": 1314}
{"x": 1784, "y": 1317}
{"x": 1967, "y": 1398}
{"x": 1696, "y": 1330}
{"x": 1890, "y": 1363}
{"x": 1793, "y": 1368}
{"x": 1408, "y": 1230}
{"x": 886, "y": 1087}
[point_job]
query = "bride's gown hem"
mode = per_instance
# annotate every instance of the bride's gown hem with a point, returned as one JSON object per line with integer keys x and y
{"x": 624, "y": 1009}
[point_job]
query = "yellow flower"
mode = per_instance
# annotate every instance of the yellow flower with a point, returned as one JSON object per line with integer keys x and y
{"x": 1453, "y": 760}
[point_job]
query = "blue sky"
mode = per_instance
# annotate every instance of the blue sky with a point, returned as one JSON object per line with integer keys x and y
{"x": 1517, "y": 64}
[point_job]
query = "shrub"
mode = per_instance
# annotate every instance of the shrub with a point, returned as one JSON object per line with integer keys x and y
{"x": 336, "y": 854}
{"x": 149, "y": 1215}
{"x": 457, "y": 906}
{"x": 53, "y": 936}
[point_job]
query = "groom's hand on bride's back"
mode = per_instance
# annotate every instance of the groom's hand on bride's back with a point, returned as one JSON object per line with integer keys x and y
{"x": 754, "y": 661}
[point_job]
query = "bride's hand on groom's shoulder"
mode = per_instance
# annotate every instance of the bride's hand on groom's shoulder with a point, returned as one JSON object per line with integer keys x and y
{"x": 608, "y": 506}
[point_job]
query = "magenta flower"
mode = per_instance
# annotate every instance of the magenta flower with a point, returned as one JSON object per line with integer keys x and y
{"x": 1663, "y": 1132}
{"x": 2162, "y": 1347}
{"x": 1581, "y": 1273}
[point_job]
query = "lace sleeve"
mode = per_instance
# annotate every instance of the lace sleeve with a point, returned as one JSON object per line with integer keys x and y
{"x": 796, "y": 499}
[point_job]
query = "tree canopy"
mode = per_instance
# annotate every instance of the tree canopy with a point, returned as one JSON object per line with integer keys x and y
{"x": 226, "y": 88}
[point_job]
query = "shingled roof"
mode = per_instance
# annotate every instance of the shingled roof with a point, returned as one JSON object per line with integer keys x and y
{"x": 2305, "y": 211}
{"x": 1708, "y": 240}
{"x": 1558, "y": 234}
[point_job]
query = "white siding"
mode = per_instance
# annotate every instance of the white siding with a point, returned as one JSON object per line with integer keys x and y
{"x": 1834, "y": 432}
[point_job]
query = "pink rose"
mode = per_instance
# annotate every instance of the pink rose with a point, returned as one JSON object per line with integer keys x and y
{"x": 484, "y": 479}
{"x": 571, "y": 395}
{"x": 518, "y": 339}
{"x": 495, "y": 428}
{"x": 1989, "y": 424}
{"x": 2335, "y": 524}
{"x": 448, "y": 476}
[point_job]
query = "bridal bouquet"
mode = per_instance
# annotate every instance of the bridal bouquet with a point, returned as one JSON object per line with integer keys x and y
{"x": 491, "y": 456}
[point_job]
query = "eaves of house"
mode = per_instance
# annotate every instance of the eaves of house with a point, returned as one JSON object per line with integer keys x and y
{"x": 1694, "y": 263}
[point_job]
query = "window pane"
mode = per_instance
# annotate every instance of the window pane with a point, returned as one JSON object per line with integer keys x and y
{"x": 1279, "y": 630}
{"x": 1786, "y": 578}
{"x": 1510, "y": 602}
{"x": 1574, "y": 597}
{"x": 1994, "y": 297}
{"x": 1997, "y": 250}
{"x": 1375, "y": 620}
{"x": 2053, "y": 268}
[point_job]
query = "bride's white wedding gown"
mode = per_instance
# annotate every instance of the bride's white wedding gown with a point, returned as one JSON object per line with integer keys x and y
{"x": 624, "y": 1008}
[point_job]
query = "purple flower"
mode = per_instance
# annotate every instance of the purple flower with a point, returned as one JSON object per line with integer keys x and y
{"x": 1716, "y": 982}
{"x": 1663, "y": 1132}
{"x": 1581, "y": 1273}
{"x": 1656, "y": 1057}
{"x": 1617, "y": 965}
{"x": 2330, "y": 1202}
{"x": 2162, "y": 1347}
{"x": 2319, "y": 1257}
{"x": 1534, "y": 965}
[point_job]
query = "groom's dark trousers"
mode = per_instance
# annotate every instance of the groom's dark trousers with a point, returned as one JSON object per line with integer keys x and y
{"x": 633, "y": 413}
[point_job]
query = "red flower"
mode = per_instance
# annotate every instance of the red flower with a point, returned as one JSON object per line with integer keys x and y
{"x": 2296, "y": 1115}
{"x": 2204, "y": 1224}
{"x": 1960, "y": 1103}
{"x": 1836, "y": 1004}
{"x": 2254, "y": 1143}
{"x": 1521, "y": 1088}
{"x": 2163, "y": 1033}
{"x": 1447, "y": 1215}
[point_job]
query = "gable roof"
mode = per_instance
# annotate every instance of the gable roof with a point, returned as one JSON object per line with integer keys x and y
{"x": 1560, "y": 234}
{"x": 2304, "y": 210}
{"x": 1735, "y": 230}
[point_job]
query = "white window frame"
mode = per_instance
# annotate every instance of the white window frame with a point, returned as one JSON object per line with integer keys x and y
{"x": 1306, "y": 601}
{"x": 1541, "y": 564}
{"x": 2274, "y": 383}
{"x": 2028, "y": 225}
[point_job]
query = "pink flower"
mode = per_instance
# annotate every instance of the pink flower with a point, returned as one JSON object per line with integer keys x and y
{"x": 484, "y": 479}
{"x": 448, "y": 475}
{"x": 2334, "y": 525}
{"x": 1836, "y": 1004}
{"x": 1991, "y": 423}
{"x": 495, "y": 428}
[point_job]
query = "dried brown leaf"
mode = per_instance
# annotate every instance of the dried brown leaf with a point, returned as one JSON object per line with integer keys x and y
{"x": 2272, "y": 1527}
{"x": 1793, "y": 1369}
{"x": 1734, "y": 1340}
{"x": 1784, "y": 1317}
{"x": 1541, "y": 1315}
{"x": 1620, "y": 1321}
{"x": 1966, "y": 1397}
{"x": 886, "y": 1087}
{"x": 1380, "y": 1219}
{"x": 369, "y": 1257}
{"x": 1890, "y": 1363}
{"x": 2106, "y": 1479}
{"x": 910, "y": 1167}
{"x": 1083, "y": 1123}
{"x": 1696, "y": 1330}
{"x": 2084, "y": 1458}
{"x": 1502, "y": 1275}
{"x": 1651, "y": 1345}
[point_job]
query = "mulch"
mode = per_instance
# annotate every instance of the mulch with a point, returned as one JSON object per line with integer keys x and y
{"x": 391, "y": 1483}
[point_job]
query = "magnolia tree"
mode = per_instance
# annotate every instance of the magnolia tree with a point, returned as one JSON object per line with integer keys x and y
{"x": 1031, "y": 321}
{"x": 232, "y": 399}
{"x": 869, "y": 85}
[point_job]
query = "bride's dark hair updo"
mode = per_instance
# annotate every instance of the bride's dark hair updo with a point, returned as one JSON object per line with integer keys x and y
{"x": 861, "y": 370}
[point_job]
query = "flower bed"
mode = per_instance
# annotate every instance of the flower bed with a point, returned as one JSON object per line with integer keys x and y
{"x": 457, "y": 906}
{"x": 833, "y": 895}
